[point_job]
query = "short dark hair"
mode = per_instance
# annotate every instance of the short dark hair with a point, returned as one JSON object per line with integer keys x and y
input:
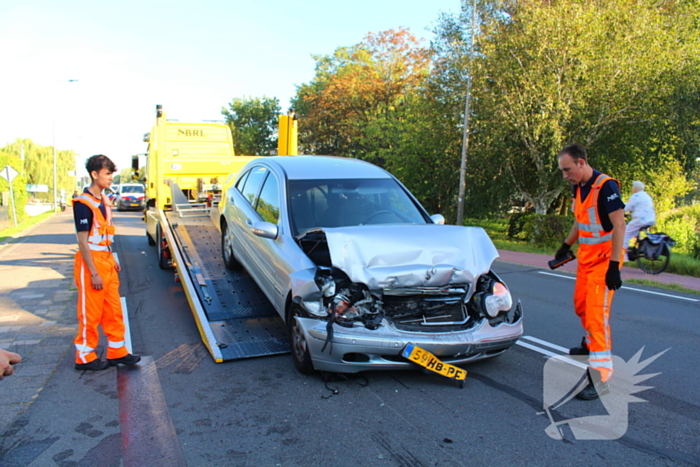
{"x": 99, "y": 162}
{"x": 576, "y": 151}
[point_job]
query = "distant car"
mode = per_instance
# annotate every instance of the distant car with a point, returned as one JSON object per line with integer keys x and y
{"x": 130, "y": 196}
{"x": 359, "y": 271}
{"x": 111, "y": 193}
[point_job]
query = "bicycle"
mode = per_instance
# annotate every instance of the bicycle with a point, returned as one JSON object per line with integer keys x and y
{"x": 652, "y": 251}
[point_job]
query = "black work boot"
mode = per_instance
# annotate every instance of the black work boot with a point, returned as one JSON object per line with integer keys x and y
{"x": 127, "y": 359}
{"x": 595, "y": 388}
{"x": 583, "y": 350}
{"x": 95, "y": 365}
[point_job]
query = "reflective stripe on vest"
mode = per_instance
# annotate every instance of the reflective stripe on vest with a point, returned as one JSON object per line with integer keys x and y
{"x": 593, "y": 227}
{"x": 100, "y": 235}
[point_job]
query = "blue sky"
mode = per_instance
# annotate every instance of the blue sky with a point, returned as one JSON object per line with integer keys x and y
{"x": 191, "y": 57}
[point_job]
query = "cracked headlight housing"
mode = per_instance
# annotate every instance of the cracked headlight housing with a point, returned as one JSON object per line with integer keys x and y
{"x": 493, "y": 299}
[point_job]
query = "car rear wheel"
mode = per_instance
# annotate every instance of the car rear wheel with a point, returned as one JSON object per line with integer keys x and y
{"x": 300, "y": 348}
{"x": 230, "y": 261}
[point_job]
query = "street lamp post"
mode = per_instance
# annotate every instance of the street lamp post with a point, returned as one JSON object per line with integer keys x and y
{"x": 53, "y": 143}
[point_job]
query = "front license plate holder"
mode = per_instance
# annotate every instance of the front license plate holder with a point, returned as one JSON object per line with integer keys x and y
{"x": 430, "y": 362}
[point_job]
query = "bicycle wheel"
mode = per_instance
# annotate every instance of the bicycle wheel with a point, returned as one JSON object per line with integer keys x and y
{"x": 657, "y": 263}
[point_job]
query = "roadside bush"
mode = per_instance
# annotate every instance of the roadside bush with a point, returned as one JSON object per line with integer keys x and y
{"x": 546, "y": 230}
{"x": 516, "y": 222}
{"x": 683, "y": 225}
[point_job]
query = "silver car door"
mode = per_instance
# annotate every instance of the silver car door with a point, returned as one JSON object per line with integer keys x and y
{"x": 243, "y": 215}
{"x": 267, "y": 256}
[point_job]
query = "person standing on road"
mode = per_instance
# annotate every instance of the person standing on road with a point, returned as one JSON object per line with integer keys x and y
{"x": 96, "y": 274}
{"x": 641, "y": 207}
{"x": 7, "y": 359}
{"x": 599, "y": 228}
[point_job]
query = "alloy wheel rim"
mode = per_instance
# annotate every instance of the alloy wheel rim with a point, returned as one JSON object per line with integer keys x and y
{"x": 298, "y": 342}
{"x": 228, "y": 244}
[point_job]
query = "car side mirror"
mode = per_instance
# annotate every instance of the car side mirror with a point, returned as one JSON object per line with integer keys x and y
{"x": 265, "y": 230}
{"x": 438, "y": 219}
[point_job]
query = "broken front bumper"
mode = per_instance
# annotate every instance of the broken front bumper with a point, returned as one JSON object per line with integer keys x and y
{"x": 359, "y": 349}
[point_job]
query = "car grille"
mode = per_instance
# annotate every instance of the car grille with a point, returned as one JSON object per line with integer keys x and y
{"x": 427, "y": 310}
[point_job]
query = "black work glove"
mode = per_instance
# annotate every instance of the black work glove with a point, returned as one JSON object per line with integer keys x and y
{"x": 612, "y": 278}
{"x": 563, "y": 250}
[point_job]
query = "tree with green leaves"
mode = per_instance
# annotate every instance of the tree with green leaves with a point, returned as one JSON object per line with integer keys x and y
{"x": 18, "y": 191}
{"x": 37, "y": 167}
{"x": 253, "y": 122}
{"x": 615, "y": 75}
{"x": 355, "y": 86}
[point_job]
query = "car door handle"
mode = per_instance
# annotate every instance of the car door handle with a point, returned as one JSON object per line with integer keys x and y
{"x": 230, "y": 198}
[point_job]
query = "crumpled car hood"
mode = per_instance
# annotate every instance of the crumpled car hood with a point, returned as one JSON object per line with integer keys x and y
{"x": 408, "y": 255}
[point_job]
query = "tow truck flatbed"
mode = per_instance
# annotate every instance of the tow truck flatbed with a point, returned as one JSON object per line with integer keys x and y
{"x": 186, "y": 166}
{"x": 234, "y": 317}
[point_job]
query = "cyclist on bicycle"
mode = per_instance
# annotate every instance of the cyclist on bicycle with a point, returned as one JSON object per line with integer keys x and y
{"x": 641, "y": 207}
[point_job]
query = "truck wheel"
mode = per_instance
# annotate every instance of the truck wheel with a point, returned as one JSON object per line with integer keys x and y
{"x": 163, "y": 260}
{"x": 227, "y": 248}
{"x": 300, "y": 348}
{"x": 149, "y": 238}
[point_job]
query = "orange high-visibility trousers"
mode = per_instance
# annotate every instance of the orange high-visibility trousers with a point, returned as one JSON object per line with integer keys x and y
{"x": 98, "y": 307}
{"x": 592, "y": 302}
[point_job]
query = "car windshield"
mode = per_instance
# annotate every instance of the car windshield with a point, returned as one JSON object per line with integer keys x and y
{"x": 132, "y": 189}
{"x": 344, "y": 203}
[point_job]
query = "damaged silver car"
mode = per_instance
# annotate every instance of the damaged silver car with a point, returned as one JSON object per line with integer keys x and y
{"x": 359, "y": 270}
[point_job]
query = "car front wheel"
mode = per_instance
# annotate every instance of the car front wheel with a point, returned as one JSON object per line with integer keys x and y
{"x": 300, "y": 348}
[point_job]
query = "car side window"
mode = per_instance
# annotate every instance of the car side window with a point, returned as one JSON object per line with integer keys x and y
{"x": 268, "y": 205}
{"x": 253, "y": 184}
{"x": 241, "y": 182}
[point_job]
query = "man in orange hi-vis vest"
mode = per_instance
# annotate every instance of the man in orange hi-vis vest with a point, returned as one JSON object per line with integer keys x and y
{"x": 599, "y": 228}
{"x": 96, "y": 274}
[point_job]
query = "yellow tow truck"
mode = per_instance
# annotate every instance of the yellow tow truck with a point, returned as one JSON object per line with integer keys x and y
{"x": 188, "y": 165}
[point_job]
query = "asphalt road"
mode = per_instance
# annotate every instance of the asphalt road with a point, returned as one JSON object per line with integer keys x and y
{"x": 261, "y": 412}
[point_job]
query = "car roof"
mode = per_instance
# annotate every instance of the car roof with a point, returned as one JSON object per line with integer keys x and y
{"x": 325, "y": 167}
{"x": 130, "y": 184}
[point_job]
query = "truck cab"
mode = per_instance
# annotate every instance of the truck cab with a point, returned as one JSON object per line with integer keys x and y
{"x": 195, "y": 157}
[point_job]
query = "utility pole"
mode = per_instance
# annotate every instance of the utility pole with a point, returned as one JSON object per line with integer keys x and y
{"x": 465, "y": 137}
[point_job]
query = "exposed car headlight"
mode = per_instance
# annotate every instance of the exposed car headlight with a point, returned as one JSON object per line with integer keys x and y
{"x": 499, "y": 300}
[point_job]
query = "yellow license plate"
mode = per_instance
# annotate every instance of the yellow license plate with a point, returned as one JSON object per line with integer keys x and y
{"x": 430, "y": 362}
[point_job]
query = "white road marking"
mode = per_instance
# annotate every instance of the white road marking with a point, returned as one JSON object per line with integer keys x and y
{"x": 547, "y": 352}
{"x": 628, "y": 288}
{"x": 127, "y": 331}
{"x": 546, "y": 344}
{"x": 556, "y": 275}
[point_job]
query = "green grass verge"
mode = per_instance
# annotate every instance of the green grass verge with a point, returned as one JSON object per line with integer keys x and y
{"x": 658, "y": 285}
{"x": 497, "y": 229}
{"x": 22, "y": 226}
